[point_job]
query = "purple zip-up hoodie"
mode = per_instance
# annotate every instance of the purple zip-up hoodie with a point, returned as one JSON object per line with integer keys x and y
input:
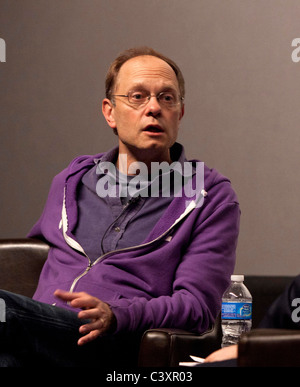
{"x": 174, "y": 279}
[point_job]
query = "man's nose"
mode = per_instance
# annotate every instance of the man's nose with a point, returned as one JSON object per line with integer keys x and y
{"x": 153, "y": 107}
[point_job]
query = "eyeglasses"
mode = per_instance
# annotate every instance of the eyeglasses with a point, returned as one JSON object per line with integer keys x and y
{"x": 167, "y": 99}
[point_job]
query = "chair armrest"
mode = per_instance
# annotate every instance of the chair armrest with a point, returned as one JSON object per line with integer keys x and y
{"x": 269, "y": 348}
{"x": 167, "y": 347}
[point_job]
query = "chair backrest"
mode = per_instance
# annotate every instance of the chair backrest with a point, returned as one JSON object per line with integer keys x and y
{"x": 21, "y": 261}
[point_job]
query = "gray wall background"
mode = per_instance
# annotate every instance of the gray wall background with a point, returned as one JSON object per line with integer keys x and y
{"x": 242, "y": 105}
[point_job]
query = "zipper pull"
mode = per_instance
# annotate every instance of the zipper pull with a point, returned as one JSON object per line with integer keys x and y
{"x": 89, "y": 266}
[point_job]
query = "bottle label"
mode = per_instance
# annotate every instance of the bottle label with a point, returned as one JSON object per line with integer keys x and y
{"x": 236, "y": 310}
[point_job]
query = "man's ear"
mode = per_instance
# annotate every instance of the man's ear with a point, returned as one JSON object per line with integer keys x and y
{"x": 182, "y": 111}
{"x": 108, "y": 112}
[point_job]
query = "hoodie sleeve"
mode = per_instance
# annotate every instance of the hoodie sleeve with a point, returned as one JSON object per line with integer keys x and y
{"x": 200, "y": 280}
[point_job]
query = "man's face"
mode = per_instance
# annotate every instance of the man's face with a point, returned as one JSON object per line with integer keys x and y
{"x": 146, "y": 131}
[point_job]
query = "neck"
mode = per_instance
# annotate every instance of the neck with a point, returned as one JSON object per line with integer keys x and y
{"x": 144, "y": 159}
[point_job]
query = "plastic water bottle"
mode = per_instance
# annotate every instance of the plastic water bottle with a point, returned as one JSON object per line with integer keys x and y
{"x": 236, "y": 311}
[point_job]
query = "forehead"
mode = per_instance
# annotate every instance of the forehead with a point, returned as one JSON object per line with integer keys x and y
{"x": 146, "y": 70}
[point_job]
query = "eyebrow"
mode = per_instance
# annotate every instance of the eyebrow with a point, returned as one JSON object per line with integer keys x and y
{"x": 141, "y": 86}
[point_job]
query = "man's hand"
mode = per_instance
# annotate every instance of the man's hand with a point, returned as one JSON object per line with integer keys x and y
{"x": 100, "y": 314}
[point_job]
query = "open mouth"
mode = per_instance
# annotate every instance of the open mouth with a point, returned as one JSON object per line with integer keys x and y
{"x": 153, "y": 129}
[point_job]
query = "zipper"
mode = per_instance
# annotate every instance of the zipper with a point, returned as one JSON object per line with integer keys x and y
{"x": 72, "y": 243}
{"x": 91, "y": 264}
{"x": 76, "y": 246}
{"x": 187, "y": 210}
{"x": 80, "y": 276}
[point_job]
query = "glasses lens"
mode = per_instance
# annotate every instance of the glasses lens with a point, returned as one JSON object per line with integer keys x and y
{"x": 168, "y": 98}
{"x": 165, "y": 98}
{"x": 138, "y": 97}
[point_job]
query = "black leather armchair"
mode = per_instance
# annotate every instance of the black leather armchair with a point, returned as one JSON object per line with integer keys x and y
{"x": 269, "y": 348}
{"x": 21, "y": 261}
{"x": 168, "y": 347}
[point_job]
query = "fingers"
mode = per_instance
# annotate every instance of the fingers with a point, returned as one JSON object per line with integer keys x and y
{"x": 65, "y": 295}
{"x": 93, "y": 326}
{"x": 89, "y": 337}
{"x": 77, "y": 299}
{"x": 100, "y": 324}
{"x": 89, "y": 314}
{"x": 93, "y": 309}
{"x": 101, "y": 318}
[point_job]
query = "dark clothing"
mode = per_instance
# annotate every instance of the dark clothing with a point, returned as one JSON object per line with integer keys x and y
{"x": 282, "y": 314}
{"x": 37, "y": 334}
